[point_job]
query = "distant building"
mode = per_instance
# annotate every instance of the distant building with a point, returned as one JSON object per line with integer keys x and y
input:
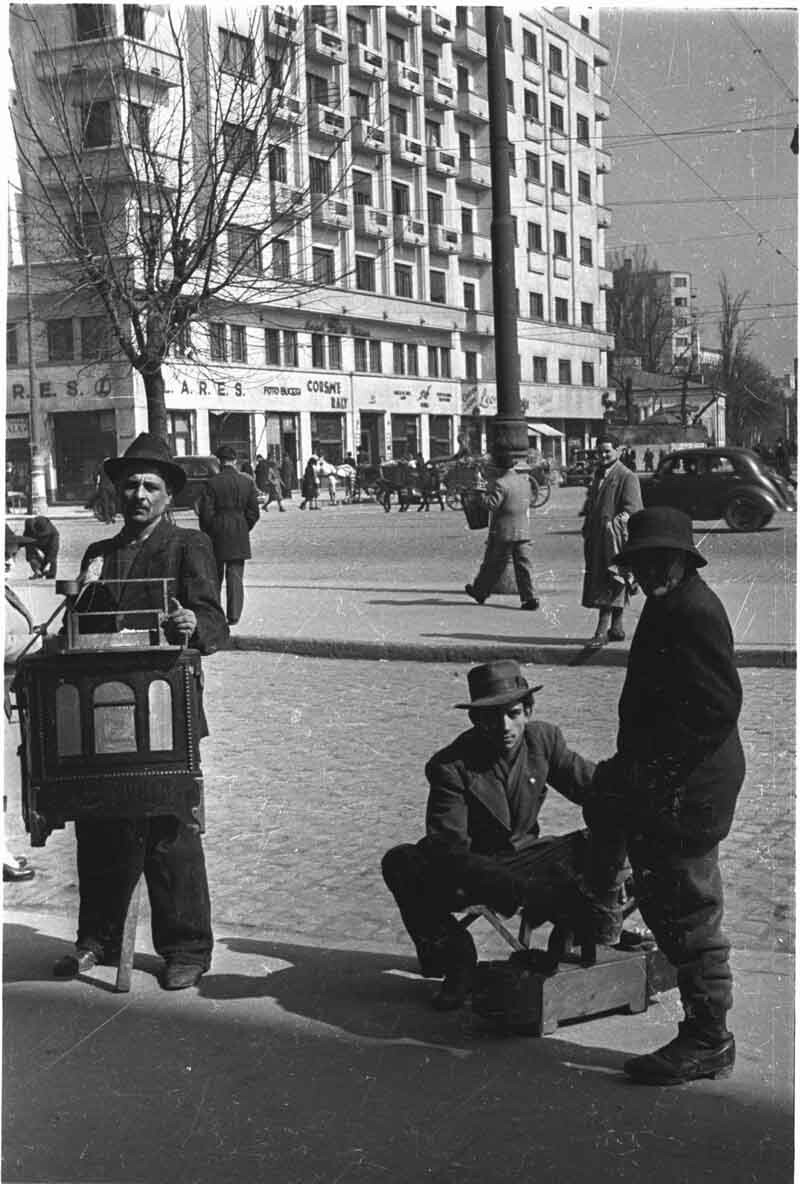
{"x": 661, "y": 317}
{"x": 671, "y": 399}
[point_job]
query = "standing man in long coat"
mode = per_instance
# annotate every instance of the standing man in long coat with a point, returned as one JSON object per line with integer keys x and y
{"x": 228, "y": 511}
{"x": 613, "y": 496}
{"x": 509, "y": 500}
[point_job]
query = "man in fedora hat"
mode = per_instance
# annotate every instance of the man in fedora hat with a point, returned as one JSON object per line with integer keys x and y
{"x": 508, "y": 497}
{"x": 112, "y": 853}
{"x": 671, "y": 787}
{"x": 228, "y": 511}
{"x": 482, "y": 843}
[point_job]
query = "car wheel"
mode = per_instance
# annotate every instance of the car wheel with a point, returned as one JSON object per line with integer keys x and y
{"x": 743, "y": 514}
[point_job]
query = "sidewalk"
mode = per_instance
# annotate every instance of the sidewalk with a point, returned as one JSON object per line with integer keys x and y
{"x": 299, "y": 1064}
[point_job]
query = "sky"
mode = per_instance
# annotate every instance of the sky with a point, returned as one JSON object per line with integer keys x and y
{"x": 728, "y": 78}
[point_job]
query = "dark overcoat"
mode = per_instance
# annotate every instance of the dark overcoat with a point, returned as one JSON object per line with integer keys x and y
{"x": 679, "y": 759}
{"x": 613, "y": 496}
{"x": 228, "y": 511}
{"x": 468, "y": 806}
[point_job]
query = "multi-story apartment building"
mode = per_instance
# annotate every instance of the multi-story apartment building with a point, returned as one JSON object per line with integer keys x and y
{"x": 657, "y": 310}
{"x": 390, "y": 351}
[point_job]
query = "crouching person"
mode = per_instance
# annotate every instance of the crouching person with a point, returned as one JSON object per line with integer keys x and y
{"x": 482, "y": 843}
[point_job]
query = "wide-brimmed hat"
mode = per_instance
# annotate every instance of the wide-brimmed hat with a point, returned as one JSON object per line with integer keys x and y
{"x": 659, "y": 528}
{"x": 497, "y": 684}
{"x": 146, "y": 452}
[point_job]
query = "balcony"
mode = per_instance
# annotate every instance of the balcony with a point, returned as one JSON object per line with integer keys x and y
{"x": 476, "y": 247}
{"x": 445, "y": 241}
{"x": 534, "y": 130}
{"x": 534, "y": 192}
{"x": 474, "y": 174}
{"x": 469, "y": 42}
{"x": 558, "y": 141}
{"x": 366, "y": 62}
{"x": 444, "y": 164}
{"x": 327, "y": 212}
{"x": 602, "y": 109}
{"x": 326, "y": 121}
{"x": 409, "y": 230}
{"x": 372, "y": 223}
{"x": 281, "y": 22}
{"x": 603, "y": 218}
{"x": 285, "y": 200}
{"x": 532, "y": 71}
{"x": 561, "y": 268}
{"x": 439, "y": 92}
{"x": 471, "y": 106}
{"x": 116, "y": 164}
{"x": 537, "y": 262}
{"x": 605, "y": 279}
{"x": 138, "y": 68}
{"x": 603, "y": 161}
{"x": 601, "y": 54}
{"x": 406, "y": 150}
{"x": 287, "y": 108}
{"x": 556, "y": 84}
{"x": 436, "y": 25}
{"x": 402, "y": 12}
{"x": 367, "y": 137}
{"x": 404, "y": 78}
{"x": 324, "y": 43}
{"x": 559, "y": 200}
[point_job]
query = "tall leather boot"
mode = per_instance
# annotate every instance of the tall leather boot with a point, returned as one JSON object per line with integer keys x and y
{"x": 703, "y": 1048}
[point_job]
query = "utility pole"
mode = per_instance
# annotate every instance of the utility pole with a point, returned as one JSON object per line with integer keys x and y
{"x": 37, "y": 494}
{"x": 509, "y": 431}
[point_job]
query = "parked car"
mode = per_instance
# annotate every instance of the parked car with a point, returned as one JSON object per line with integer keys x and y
{"x": 729, "y": 483}
{"x": 198, "y": 470}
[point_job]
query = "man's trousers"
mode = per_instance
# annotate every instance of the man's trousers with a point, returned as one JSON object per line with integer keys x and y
{"x": 496, "y": 556}
{"x": 232, "y": 572}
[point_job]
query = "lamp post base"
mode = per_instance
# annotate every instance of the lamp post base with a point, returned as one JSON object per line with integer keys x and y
{"x": 505, "y": 434}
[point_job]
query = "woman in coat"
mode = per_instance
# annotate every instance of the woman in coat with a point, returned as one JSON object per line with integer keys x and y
{"x": 310, "y": 485}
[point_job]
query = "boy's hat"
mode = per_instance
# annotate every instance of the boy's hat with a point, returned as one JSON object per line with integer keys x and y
{"x": 659, "y": 527}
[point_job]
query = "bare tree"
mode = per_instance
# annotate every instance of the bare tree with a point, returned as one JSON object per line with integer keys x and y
{"x": 160, "y": 181}
{"x": 734, "y": 334}
{"x": 639, "y": 315}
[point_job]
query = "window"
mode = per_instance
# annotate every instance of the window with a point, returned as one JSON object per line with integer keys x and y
{"x": 587, "y": 373}
{"x": 509, "y": 94}
{"x": 433, "y": 134}
{"x": 433, "y": 361}
{"x": 530, "y": 48}
{"x": 507, "y": 32}
{"x": 217, "y": 342}
{"x": 586, "y": 251}
{"x": 239, "y": 148}
{"x": 555, "y": 59}
{"x": 438, "y": 282}
{"x": 533, "y": 167}
{"x": 464, "y": 146}
{"x": 471, "y": 365}
{"x": 681, "y": 301}
{"x": 461, "y": 18}
{"x": 322, "y": 265}
{"x": 281, "y": 259}
{"x": 360, "y": 353}
{"x": 430, "y": 63}
{"x": 462, "y": 80}
{"x": 444, "y": 361}
{"x": 356, "y": 31}
{"x": 435, "y": 208}
{"x": 278, "y": 164}
{"x": 469, "y": 296}
{"x": 94, "y": 237}
{"x": 60, "y": 341}
{"x": 582, "y": 129}
{"x": 319, "y": 174}
{"x": 412, "y": 359}
{"x": 398, "y": 358}
{"x": 536, "y": 306}
{"x": 97, "y": 124}
{"x": 334, "y": 353}
{"x": 95, "y": 338}
{"x": 289, "y": 347}
{"x": 179, "y": 432}
{"x": 375, "y": 363}
{"x": 534, "y": 236}
{"x": 581, "y": 74}
{"x": 466, "y": 220}
{"x": 561, "y": 310}
{"x": 272, "y": 347}
{"x": 401, "y": 199}
{"x": 397, "y": 48}
{"x": 403, "y": 280}
{"x": 584, "y": 24}
{"x": 236, "y": 54}
{"x": 12, "y": 348}
{"x": 564, "y": 370}
{"x": 557, "y": 116}
{"x": 244, "y": 250}
{"x": 238, "y": 343}
{"x": 584, "y": 187}
{"x": 398, "y": 120}
{"x": 362, "y": 188}
{"x": 365, "y": 273}
{"x": 133, "y": 21}
{"x": 139, "y": 125}
{"x": 92, "y": 20}
{"x": 560, "y": 244}
{"x": 318, "y": 89}
{"x": 318, "y": 350}
{"x": 559, "y": 177}
{"x": 532, "y": 104}
{"x": 359, "y": 105}
{"x": 679, "y": 281}
{"x": 587, "y": 314}
{"x": 540, "y": 369}
{"x": 114, "y": 712}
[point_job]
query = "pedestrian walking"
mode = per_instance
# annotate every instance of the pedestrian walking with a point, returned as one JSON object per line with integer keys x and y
{"x": 42, "y": 542}
{"x": 430, "y": 484}
{"x": 103, "y": 499}
{"x": 228, "y": 511}
{"x": 782, "y": 463}
{"x": 260, "y": 474}
{"x": 670, "y": 789}
{"x": 287, "y": 475}
{"x": 508, "y": 497}
{"x": 272, "y": 480}
{"x": 612, "y": 497}
{"x": 349, "y": 469}
{"x": 327, "y": 472}
{"x": 648, "y": 460}
{"x": 310, "y": 485}
{"x": 113, "y": 853}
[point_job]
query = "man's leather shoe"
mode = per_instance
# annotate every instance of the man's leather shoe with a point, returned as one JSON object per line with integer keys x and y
{"x": 616, "y": 633}
{"x": 598, "y": 641}
{"x": 688, "y": 1057}
{"x": 18, "y": 874}
{"x": 470, "y": 591}
{"x": 455, "y": 990}
{"x": 180, "y": 975}
{"x": 71, "y": 965}
{"x": 530, "y": 606}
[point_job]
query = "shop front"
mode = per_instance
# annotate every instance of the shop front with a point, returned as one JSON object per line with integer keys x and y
{"x": 328, "y": 438}
{"x": 277, "y": 435}
{"x": 231, "y": 428}
{"x": 405, "y": 437}
{"x": 81, "y": 442}
{"x": 18, "y": 459}
{"x": 372, "y": 445}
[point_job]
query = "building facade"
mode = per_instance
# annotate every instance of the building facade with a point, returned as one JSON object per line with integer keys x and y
{"x": 390, "y": 352}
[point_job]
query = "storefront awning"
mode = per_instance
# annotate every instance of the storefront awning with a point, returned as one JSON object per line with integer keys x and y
{"x": 543, "y": 429}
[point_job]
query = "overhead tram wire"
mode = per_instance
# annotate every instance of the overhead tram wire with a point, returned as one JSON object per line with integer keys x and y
{"x": 762, "y": 57}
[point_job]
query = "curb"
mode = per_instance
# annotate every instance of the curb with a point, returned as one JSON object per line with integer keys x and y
{"x": 762, "y": 657}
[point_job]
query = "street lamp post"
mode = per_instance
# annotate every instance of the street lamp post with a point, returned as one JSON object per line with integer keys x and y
{"x": 38, "y": 485}
{"x": 509, "y": 430}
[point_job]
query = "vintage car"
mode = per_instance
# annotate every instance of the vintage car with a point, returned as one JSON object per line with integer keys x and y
{"x": 729, "y": 483}
{"x": 198, "y": 469}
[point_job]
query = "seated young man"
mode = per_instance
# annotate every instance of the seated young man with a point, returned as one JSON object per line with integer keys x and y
{"x": 482, "y": 843}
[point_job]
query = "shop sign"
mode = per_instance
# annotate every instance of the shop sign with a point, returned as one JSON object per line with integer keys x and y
{"x": 473, "y": 399}
{"x": 204, "y": 389}
{"x": 17, "y": 427}
{"x": 72, "y": 389}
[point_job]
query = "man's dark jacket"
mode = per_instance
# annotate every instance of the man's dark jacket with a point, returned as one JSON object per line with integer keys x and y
{"x": 228, "y": 511}
{"x": 679, "y": 761}
{"x": 468, "y": 804}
